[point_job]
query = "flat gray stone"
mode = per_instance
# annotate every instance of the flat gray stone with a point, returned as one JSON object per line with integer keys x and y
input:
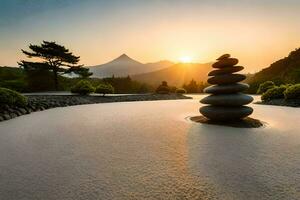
{"x": 223, "y": 113}
{"x": 226, "y": 70}
{"x": 227, "y": 99}
{"x": 226, "y": 89}
{"x": 226, "y": 79}
{"x": 227, "y": 62}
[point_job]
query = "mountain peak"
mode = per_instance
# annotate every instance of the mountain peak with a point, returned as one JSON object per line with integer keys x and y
{"x": 123, "y": 56}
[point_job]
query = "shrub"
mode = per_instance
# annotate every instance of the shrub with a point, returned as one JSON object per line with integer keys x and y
{"x": 180, "y": 91}
{"x": 172, "y": 89}
{"x": 12, "y": 98}
{"x": 103, "y": 88}
{"x": 83, "y": 87}
{"x": 163, "y": 88}
{"x": 265, "y": 86}
{"x": 274, "y": 93}
{"x": 292, "y": 92}
{"x": 16, "y": 85}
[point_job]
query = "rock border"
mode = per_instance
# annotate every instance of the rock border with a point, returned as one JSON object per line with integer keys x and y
{"x": 44, "y": 102}
{"x": 247, "y": 122}
{"x": 281, "y": 102}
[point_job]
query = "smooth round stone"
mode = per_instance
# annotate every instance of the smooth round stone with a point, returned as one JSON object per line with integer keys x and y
{"x": 227, "y": 99}
{"x": 226, "y": 79}
{"x": 227, "y": 62}
{"x": 222, "y": 113}
{"x": 225, "y": 89}
{"x": 224, "y": 56}
{"x": 225, "y": 70}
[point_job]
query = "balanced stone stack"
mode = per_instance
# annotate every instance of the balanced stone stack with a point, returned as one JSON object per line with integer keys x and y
{"x": 226, "y": 101}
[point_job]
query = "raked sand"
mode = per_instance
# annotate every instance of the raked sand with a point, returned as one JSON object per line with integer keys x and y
{"x": 148, "y": 150}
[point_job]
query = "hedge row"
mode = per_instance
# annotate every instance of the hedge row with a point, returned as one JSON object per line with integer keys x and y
{"x": 279, "y": 92}
{"x": 85, "y": 87}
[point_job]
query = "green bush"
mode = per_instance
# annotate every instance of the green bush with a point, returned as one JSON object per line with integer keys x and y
{"x": 12, "y": 98}
{"x": 103, "y": 88}
{"x": 265, "y": 86}
{"x": 180, "y": 91}
{"x": 273, "y": 93}
{"x": 16, "y": 85}
{"x": 83, "y": 87}
{"x": 292, "y": 92}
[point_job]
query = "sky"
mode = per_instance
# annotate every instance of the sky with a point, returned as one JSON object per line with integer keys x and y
{"x": 257, "y": 32}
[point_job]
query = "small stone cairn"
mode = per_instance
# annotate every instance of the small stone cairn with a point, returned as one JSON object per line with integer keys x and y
{"x": 226, "y": 102}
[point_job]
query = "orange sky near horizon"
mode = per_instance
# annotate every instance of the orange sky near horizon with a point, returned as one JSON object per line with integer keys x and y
{"x": 256, "y": 33}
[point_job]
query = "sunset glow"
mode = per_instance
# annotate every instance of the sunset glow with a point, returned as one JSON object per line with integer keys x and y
{"x": 150, "y": 31}
{"x": 185, "y": 59}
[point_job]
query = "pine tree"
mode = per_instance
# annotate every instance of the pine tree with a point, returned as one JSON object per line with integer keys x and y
{"x": 54, "y": 58}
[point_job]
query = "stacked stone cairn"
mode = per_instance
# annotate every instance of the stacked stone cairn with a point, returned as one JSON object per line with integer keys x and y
{"x": 226, "y": 102}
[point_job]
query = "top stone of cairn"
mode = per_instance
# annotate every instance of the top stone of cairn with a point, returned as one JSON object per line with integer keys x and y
{"x": 224, "y": 56}
{"x": 225, "y": 61}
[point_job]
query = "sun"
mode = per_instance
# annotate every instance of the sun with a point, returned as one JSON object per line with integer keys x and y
{"x": 185, "y": 59}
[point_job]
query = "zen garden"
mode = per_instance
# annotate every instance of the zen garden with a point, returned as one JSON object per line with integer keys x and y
{"x": 218, "y": 121}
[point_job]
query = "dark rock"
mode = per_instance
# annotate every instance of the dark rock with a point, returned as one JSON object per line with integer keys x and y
{"x": 5, "y": 106}
{"x": 227, "y": 99}
{"x": 224, "y": 57}
{"x": 32, "y": 107}
{"x": 28, "y": 110}
{"x": 18, "y": 113}
{"x": 23, "y": 111}
{"x": 10, "y": 110}
{"x": 1, "y": 119}
{"x": 226, "y": 70}
{"x": 225, "y": 113}
{"x": 13, "y": 115}
{"x": 226, "y": 79}
{"x": 226, "y": 89}
{"x": 6, "y": 116}
{"x": 227, "y": 62}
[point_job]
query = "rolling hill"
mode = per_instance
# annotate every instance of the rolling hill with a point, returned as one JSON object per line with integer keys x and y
{"x": 124, "y": 66}
{"x": 176, "y": 75}
{"x": 285, "y": 70}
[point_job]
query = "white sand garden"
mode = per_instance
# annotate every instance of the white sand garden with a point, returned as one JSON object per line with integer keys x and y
{"x": 148, "y": 150}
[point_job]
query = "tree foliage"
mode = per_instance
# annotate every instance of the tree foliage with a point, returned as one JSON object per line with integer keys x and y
{"x": 127, "y": 85}
{"x": 273, "y": 93}
{"x": 194, "y": 87}
{"x": 285, "y": 70}
{"x": 265, "y": 86}
{"x": 292, "y": 92}
{"x": 53, "y": 57}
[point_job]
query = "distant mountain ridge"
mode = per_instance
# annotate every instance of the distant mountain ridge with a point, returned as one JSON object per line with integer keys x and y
{"x": 177, "y": 74}
{"x": 124, "y": 66}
